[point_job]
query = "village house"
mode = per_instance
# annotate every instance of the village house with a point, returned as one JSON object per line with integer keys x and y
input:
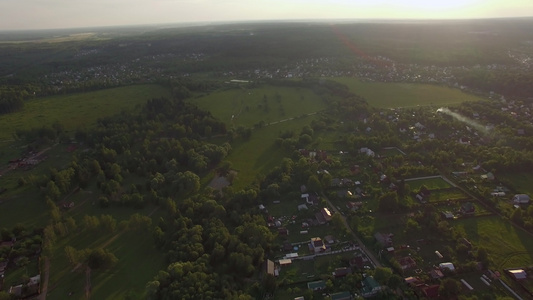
{"x": 317, "y": 245}
{"x": 488, "y": 177}
{"x": 329, "y": 239}
{"x": 341, "y": 272}
{"x": 283, "y": 231}
{"x": 468, "y": 208}
{"x": 354, "y": 206}
{"x": 370, "y": 287}
{"x": 323, "y": 216}
{"x": 341, "y": 296}
{"x": 336, "y": 182}
{"x": 436, "y": 274}
{"x": 407, "y": 262}
{"x": 521, "y": 199}
{"x": 357, "y": 262}
{"x": 518, "y": 274}
{"x": 430, "y": 291}
{"x": 316, "y": 285}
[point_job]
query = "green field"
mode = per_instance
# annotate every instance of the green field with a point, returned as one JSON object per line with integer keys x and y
{"x": 78, "y": 110}
{"x": 259, "y": 154}
{"x": 396, "y": 95}
{"x": 269, "y": 104}
{"x": 508, "y": 246}
{"x": 431, "y": 183}
{"x": 287, "y": 109}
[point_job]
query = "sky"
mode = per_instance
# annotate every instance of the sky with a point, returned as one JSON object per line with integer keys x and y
{"x": 47, "y": 14}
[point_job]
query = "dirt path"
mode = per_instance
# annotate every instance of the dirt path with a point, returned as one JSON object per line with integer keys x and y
{"x": 88, "y": 283}
{"x": 153, "y": 211}
{"x": 46, "y": 277}
{"x": 289, "y": 119}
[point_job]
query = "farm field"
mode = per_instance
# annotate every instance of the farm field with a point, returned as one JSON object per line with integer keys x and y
{"x": 397, "y": 95}
{"x": 78, "y": 110}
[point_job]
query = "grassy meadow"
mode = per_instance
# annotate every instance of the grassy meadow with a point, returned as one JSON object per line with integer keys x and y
{"x": 508, "y": 246}
{"x": 270, "y": 104}
{"x": 287, "y": 109}
{"x": 396, "y": 95}
{"x": 78, "y": 110}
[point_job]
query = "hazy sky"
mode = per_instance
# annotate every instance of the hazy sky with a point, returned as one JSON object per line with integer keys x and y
{"x": 43, "y": 14}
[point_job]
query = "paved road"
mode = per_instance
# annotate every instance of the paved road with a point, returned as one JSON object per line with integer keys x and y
{"x": 363, "y": 249}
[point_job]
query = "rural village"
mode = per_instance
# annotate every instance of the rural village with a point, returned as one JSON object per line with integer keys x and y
{"x": 287, "y": 175}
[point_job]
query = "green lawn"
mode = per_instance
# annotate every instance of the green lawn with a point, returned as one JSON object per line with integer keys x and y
{"x": 445, "y": 194}
{"x": 431, "y": 183}
{"x": 393, "y": 95}
{"x": 77, "y": 110}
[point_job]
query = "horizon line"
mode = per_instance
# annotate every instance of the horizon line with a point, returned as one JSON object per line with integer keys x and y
{"x": 265, "y": 21}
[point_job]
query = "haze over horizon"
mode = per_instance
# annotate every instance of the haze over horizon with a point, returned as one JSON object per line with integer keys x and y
{"x": 52, "y": 14}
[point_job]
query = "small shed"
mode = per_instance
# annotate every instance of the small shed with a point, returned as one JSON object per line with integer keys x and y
{"x": 518, "y": 274}
{"x": 447, "y": 265}
{"x": 521, "y": 199}
{"x": 270, "y": 267}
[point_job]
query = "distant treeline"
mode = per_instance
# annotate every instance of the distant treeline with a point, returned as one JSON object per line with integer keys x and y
{"x": 11, "y": 100}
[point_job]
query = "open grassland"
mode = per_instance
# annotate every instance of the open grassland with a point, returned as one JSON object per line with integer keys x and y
{"x": 395, "y": 95}
{"x": 78, "y": 110}
{"x": 269, "y": 104}
{"x": 281, "y": 109}
{"x": 260, "y": 154}
{"x": 508, "y": 246}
